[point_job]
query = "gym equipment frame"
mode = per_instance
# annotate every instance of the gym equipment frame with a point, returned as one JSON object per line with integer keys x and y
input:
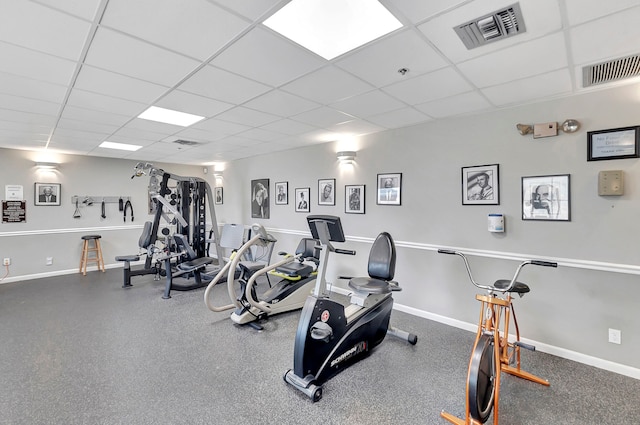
{"x": 492, "y": 352}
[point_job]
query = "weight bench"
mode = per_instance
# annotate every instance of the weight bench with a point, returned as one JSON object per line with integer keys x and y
{"x": 145, "y": 242}
{"x": 191, "y": 264}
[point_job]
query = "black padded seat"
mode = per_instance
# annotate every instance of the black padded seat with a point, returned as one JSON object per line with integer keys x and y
{"x": 128, "y": 258}
{"x": 90, "y": 237}
{"x": 381, "y": 268}
{"x": 295, "y": 269}
{"x": 195, "y": 264}
{"x": 518, "y": 287}
{"x": 370, "y": 285}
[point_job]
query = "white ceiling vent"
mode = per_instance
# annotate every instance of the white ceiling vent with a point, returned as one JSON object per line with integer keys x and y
{"x": 613, "y": 70}
{"x": 492, "y": 27}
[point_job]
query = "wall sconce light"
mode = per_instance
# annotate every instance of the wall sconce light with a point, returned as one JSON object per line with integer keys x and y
{"x": 346, "y": 157}
{"x": 46, "y": 165}
{"x": 548, "y": 129}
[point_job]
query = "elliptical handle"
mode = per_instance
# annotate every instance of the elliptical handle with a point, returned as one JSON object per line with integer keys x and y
{"x": 544, "y": 263}
{"x": 345, "y": 251}
{"x": 447, "y": 251}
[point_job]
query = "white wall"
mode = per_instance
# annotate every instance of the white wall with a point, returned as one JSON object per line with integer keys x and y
{"x": 569, "y": 310}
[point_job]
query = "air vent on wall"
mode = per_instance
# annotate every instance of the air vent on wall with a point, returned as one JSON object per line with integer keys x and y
{"x": 186, "y": 142}
{"x": 613, "y": 70}
{"x": 492, "y": 27}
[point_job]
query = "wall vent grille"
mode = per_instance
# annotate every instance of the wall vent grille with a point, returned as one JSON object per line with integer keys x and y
{"x": 492, "y": 27}
{"x": 613, "y": 70}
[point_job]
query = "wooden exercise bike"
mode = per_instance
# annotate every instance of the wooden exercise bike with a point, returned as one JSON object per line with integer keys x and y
{"x": 492, "y": 352}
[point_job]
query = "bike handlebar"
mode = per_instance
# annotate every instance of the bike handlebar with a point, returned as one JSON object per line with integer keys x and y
{"x": 492, "y": 288}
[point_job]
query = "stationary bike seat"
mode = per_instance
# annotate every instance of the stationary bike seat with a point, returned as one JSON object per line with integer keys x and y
{"x": 518, "y": 287}
{"x": 370, "y": 285}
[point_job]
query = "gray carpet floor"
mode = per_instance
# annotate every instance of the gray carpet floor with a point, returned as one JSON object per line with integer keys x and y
{"x": 82, "y": 350}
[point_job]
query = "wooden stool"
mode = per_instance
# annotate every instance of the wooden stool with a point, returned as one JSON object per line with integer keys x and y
{"x": 86, "y": 249}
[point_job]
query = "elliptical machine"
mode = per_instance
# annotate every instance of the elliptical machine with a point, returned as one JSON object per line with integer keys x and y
{"x": 336, "y": 331}
{"x": 288, "y": 294}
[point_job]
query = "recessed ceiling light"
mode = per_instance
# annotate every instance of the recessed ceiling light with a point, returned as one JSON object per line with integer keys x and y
{"x": 330, "y": 28}
{"x": 120, "y": 146}
{"x": 169, "y": 116}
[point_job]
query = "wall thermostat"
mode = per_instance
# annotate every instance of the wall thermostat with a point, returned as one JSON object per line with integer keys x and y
{"x": 611, "y": 182}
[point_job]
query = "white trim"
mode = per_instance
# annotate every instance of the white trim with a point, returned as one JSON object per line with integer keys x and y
{"x": 71, "y": 230}
{"x": 545, "y": 348}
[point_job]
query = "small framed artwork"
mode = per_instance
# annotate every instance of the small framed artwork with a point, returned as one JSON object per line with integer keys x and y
{"x": 546, "y": 198}
{"x": 480, "y": 185}
{"x": 616, "y": 143}
{"x": 282, "y": 193}
{"x": 389, "y": 189}
{"x": 260, "y": 198}
{"x": 354, "y": 199}
{"x": 219, "y": 195}
{"x": 302, "y": 199}
{"x": 47, "y": 194}
{"x": 326, "y": 192}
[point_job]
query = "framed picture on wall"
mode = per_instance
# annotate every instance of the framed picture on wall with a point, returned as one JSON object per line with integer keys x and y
{"x": 282, "y": 193}
{"x": 47, "y": 194}
{"x": 326, "y": 192}
{"x": 616, "y": 143}
{"x": 260, "y": 198}
{"x": 302, "y": 199}
{"x": 389, "y": 189}
{"x": 546, "y": 198}
{"x": 354, "y": 199}
{"x": 219, "y": 195}
{"x": 481, "y": 185}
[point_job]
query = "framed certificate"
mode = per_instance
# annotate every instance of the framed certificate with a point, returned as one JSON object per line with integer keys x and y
{"x": 616, "y": 143}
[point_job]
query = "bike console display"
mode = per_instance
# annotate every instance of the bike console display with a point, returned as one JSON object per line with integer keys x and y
{"x": 326, "y": 225}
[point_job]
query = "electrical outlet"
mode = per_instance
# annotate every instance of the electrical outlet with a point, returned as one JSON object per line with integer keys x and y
{"x": 615, "y": 336}
{"x": 49, "y": 261}
{"x": 6, "y": 262}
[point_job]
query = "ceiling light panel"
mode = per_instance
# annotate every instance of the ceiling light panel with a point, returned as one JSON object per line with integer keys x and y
{"x": 169, "y": 116}
{"x": 330, "y": 28}
{"x": 119, "y": 146}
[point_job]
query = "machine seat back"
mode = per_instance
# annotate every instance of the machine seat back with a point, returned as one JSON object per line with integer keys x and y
{"x": 381, "y": 268}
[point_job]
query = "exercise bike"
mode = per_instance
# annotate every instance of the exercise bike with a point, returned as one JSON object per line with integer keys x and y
{"x": 336, "y": 331}
{"x": 492, "y": 352}
{"x": 287, "y": 294}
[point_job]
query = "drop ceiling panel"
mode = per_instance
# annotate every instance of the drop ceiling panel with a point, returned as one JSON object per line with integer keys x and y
{"x": 261, "y": 135}
{"x": 555, "y": 83}
{"x": 99, "y": 102}
{"x": 323, "y": 117}
{"x": 580, "y": 11}
{"x": 603, "y": 39}
{"x": 115, "y": 85}
{"x": 242, "y": 115}
{"x": 354, "y": 128}
{"x": 455, "y": 105}
{"x": 379, "y": 62}
{"x": 126, "y": 55}
{"x": 93, "y": 116}
{"x": 38, "y": 66}
{"x": 196, "y": 28}
{"x": 219, "y": 127}
{"x": 252, "y": 9}
{"x": 327, "y": 85}
{"x": 138, "y": 134}
{"x": 367, "y": 104}
{"x": 418, "y": 10}
{"x": 268, "y": 58}
{"x": 435, "y": 85}
{"x": 288, "y": 126}
{"x": 516, "y": 62}
{"x": 24, "y": 104}
{"x": 46, "y": 30}
{"x": 32, "y": 89}
{"x": 223, "y": 85}
{"x": 85, "y": 9}
{"x": 281, "y": 103}
{"x": 193, "y": 104}
{"x": 82, "y": 125}
{"x": 399, "y": 118}
{"x": 27, "y": 118}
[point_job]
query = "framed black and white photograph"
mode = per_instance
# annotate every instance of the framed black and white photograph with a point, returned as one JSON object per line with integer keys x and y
{"x": 389, "y": 189}
{"x": 282, "y": 193}
{"x": 546, "y": 198}
{"x": 260, "y": 198}
{"x": 302, "y": 199}
{"x": 326, "y": 192}
{"x": 481, "y": 185}
{"x": 354, "y": 199}
{"x": 219, "y": 195}
{"x": 616, "y": 143}
{"x": 47, "y": 194}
